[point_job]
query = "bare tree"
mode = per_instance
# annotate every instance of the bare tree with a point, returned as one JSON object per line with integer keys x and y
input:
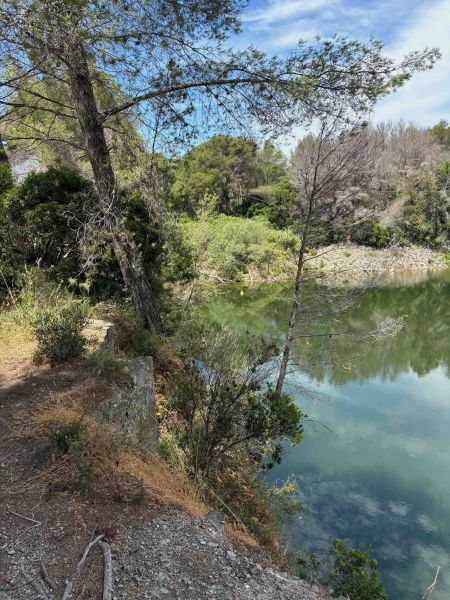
{"x": 173, "y": 79}
{"x": 323, "y": 167}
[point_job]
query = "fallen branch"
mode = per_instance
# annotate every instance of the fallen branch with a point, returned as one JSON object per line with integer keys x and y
{"x": 69, "y": 585}
{"x": 107, "y": 571}
{"x": 37, "y": 586}
{"x": 26, "y": 518}
{"x": 216, "y": 277}
{"x": 46, "y": 578}
{"x": 431, "y": 587}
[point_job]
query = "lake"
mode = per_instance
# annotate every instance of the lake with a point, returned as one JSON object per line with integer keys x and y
{"x": 374, "y": 468}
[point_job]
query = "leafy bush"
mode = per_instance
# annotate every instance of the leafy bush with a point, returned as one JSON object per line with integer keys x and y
{"x": 223, "y": 405}
{"x": 39, "y": 221}
{"x": 355, "y": 574}
{"x": 231, "y": 246}
{"x": 371, "y": 233}
{"x": 6, "y": 178}
{"x": 58, "y": 332}
{"x": 427, "y": 210}
{"x": 65, "y": 435}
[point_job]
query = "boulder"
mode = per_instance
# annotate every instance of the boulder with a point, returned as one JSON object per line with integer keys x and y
{"x": 131, "y": 410}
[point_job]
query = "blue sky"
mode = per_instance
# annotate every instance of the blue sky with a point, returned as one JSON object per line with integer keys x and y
{"x": 403, "y": 25}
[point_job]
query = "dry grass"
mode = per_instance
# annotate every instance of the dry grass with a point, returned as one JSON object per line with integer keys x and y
{"x": 116, "y": 470}
{"x": 16, "y": 340}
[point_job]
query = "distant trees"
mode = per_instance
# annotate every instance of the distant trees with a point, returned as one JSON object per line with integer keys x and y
{"x": 441, "y": 133}
{"x": 232, "y": 175}
{"x": 223, "y": 168}
{"x": 427, "y": 209}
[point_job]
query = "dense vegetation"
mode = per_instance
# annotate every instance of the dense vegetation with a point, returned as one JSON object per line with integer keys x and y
{"x": 114, "y": 221}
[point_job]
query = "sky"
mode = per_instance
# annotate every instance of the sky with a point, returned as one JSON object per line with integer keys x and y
{"x": 403, "y": 25}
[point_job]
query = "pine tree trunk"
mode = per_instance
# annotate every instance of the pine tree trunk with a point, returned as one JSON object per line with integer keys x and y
{"x": 292, "y": 319}
{"x": 126, "y": 252}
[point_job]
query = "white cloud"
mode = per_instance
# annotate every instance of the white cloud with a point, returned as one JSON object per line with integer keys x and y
{"x": 279, "y": 10}
{"x": 426, "y": 98}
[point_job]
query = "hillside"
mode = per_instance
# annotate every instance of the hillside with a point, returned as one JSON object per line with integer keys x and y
{"x": 167, "y": 544}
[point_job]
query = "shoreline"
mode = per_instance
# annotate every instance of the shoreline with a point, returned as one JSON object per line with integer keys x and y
{"x": 354, "y": 259}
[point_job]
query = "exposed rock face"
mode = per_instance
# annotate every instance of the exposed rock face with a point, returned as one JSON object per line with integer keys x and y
{"x": 132, "y": 409}
{"x": 101, "y": 333}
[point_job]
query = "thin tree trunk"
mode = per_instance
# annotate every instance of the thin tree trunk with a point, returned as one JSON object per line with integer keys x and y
{"x": 293, "y": 317}
{"x": 126, "y": 252}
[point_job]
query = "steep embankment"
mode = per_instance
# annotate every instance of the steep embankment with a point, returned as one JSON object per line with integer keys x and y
{"x": 164, "y": 542}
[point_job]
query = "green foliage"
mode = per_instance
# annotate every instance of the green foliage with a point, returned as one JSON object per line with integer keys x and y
{"x": 233, "y": 176}
{"x": 224, "y": 166}
{"x": 65, "y": 435}
{"x": 440, "y": 133}
{"x": 371, "y": 233}
{"x": 107, "y": 366}
{"x": 223, "y": 405}
{"x": 306, "y": 566}
{"x": 231, "y": 246}
{"x": 427, "y": 211}
{"x": 6, "y": 177}
{"x": 39, "y": 221}
{"x": 355, "y": 574}
{"x": 58, "y": 331}
{"x": 274, "y": 201}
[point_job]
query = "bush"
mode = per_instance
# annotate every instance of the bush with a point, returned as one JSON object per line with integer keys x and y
{"x": 58, "y": 332}
{"x": 65, "y": 435}
{"x": 355, "y": 575}
{"x": 108, "y": 367}
{"x": 427, "y": 210}
{"x": 372, "y": 234}
{"x": 39, "y": 221}
{"x": 231, "y": 246}
{"x": 223, "y": 405}
{"x": 6, "y": 178}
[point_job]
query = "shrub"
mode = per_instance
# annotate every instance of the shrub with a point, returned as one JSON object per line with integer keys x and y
{"x": 108, "y": 367}
{"x": 58, "y": 332}
{"x": 223, "y": 404}
{"x": 65, "y": 435}
{"x": 231, "y": 246}
{"x": 355, "y": 575}
{"x": 373, "y": 234}
{"x": 427, "y": 210}
{"x": 6, "y": 178}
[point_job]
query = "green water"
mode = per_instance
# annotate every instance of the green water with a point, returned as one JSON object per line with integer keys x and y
{"x": 381, "y": 477}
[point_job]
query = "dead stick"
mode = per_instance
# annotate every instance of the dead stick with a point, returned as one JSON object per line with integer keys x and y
{"x": 45, "y": 577}
{"x": 69, "y": 586}
{"x": 26, "y": 518}
{"x": 107, "y": 571}
{"x": 37, "y": 586}
{"x": 432, "y": 586}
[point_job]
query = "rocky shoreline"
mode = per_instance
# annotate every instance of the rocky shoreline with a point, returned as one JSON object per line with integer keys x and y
{"x": 350, "y": 257}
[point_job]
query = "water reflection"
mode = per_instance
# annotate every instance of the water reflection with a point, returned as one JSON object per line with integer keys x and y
{"x": 382, "y": 477}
